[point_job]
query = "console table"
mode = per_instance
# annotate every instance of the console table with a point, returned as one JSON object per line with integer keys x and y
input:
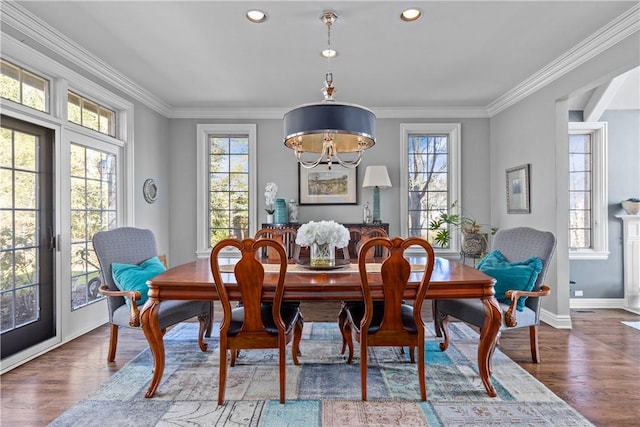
{"x": 353, "y": 253}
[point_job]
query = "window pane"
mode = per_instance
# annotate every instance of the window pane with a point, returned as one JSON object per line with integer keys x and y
{"x": 229, "y": 186}
{"x": 23, "y": 87}
{"x": 427, "y": 180}
{"x": 74, "y": 111}
{"x": 90, "y": 114}
{"x": 34, "y": 91}
{"x": 10, "y": 83}
{"x": 93, "y": 208}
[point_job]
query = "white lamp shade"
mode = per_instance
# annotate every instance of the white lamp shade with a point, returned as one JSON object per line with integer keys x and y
{"x": 376, "y": 176}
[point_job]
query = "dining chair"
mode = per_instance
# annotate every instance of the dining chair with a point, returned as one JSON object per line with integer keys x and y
{"x": 398, "y": 323}
{"x": 133, "y": 249}
{"x": 287, "y": 238}
{"x": 521, "y": 308}
{"x": 252, "y": 325}
{"x": 361, "y": 235}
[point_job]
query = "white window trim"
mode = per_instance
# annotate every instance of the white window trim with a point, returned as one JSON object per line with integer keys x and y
{"x": 453, "y": 130}
{"x": 599, "y": 195}
{"x": 203, "y": 249}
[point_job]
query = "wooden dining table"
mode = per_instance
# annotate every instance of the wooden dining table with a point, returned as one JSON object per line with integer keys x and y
{"x": 450, "y": 279}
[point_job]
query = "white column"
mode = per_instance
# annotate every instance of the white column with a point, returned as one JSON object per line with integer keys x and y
{"x": 631, "y": 248}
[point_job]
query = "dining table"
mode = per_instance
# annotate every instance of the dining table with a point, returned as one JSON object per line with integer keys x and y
{"x": 450, "y": 280}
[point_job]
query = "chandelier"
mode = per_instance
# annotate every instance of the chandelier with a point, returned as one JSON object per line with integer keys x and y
{"x": 329, "y": 128}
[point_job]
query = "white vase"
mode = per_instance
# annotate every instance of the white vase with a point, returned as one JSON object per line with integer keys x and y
{"x": 322, "y": 255}
{"x": 269, "y": 218}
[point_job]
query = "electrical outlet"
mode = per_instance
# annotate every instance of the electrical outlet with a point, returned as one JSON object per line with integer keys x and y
{"x": 579, "y": 293}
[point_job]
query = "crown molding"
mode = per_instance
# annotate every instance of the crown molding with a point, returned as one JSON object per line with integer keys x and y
{"x": 617, "y": 30}
{"x": 39, "y": 31}
{"x": 278, "y": 113}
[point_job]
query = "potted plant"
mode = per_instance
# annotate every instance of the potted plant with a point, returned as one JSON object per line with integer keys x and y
{"x": 475, "y": 240}
{"x": 631, "y": 206}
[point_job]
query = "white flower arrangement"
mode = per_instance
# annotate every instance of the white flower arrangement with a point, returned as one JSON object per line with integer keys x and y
{"x": 323, "y": 232}
{"x": 270, "y": 192}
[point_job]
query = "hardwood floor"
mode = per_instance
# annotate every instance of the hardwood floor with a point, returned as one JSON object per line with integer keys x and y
{"x": 595, "y": 367}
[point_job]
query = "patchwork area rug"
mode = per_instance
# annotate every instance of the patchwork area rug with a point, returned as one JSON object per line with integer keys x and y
{"x": 323, "y": 390}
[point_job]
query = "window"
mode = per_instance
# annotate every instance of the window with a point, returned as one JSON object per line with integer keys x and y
{"x": 23, "y": 87}
{"x": 89, "y": 114}
{"x": 587, "y": 191}
{"x": 93, "y": 208}
{"x": 226, "y": 183}
{"x": 430, "y": 170}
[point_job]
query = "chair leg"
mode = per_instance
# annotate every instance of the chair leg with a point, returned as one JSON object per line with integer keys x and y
{"x": 444, "y": 322}
{"x": 437, "y": 318}
{"x": 533, "y": 338}
{"x": 222, "y": 377}
{"x": 113, "y": 342}
{"x": 297, "y": 337}
{"x": 363, "y": 366}
{"x": 204, "y": 322}
{"x": 210, "y": 322}
{"x": 422, "y": 380}
{"x": 348, "y": 332}
{"x": 342, "y": 320}
{"x": 282, "y": 357}
{"x": 234, "y": 355}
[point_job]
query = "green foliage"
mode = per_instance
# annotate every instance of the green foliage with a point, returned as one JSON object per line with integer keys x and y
{"x": 447, "y": 223}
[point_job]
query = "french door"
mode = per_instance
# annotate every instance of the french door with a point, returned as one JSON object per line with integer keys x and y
{"x": 26, "y": 235}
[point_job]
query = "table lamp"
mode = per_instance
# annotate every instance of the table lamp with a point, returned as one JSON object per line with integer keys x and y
{"x": 376, "y": 177}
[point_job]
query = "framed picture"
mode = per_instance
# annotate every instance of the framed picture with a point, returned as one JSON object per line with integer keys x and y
{"x": 518, "y": 189}
{"x": 324, "y": 186}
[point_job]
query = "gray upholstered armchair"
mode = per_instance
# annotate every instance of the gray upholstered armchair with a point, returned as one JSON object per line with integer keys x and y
{"x": 127, "y": 245}
{"x": 516, "y": 244}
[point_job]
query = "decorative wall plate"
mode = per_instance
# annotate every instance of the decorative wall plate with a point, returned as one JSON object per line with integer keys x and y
{"x": 150, "y": 191}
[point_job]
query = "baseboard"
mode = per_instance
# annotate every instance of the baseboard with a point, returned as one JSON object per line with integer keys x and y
{"x": 582, "y": 303}
{"x": 554, "y": 320}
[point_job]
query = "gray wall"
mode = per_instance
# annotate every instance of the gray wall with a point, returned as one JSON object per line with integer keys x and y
{"x": 535, "y": 131}
{"x": 604, "y": 279}
{"x": 276, "y": 163}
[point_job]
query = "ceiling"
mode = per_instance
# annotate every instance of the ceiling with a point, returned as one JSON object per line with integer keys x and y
{"x": 194, "y": 56}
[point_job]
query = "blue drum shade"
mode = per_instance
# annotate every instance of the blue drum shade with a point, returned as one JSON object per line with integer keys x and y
{"x": 348, "y": 124}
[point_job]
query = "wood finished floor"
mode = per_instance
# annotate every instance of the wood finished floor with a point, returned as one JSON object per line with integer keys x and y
{"x": 595, "y": 367}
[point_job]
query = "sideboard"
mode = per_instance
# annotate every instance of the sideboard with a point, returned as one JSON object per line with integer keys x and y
{"x": 354, "y": 230}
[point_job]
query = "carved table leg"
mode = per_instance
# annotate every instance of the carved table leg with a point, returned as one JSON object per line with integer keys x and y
{"x": 488, "y": 339}
{"x": 151, "y": 329}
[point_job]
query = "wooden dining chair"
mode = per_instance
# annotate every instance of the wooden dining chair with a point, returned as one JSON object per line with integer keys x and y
{"x": 362, "y": 234}
{"x": 397, "y": 324}
{"x": 287, "y": 238}
{"x": 254, "y": 325}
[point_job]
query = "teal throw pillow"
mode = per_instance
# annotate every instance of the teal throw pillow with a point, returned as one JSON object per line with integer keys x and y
{"x": 129, "y": 277}
{"x": 519, "y": 276}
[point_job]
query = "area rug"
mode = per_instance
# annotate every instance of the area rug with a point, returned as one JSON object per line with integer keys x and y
{"x": 323, "y": 390}
{"x": 634, "y": 325}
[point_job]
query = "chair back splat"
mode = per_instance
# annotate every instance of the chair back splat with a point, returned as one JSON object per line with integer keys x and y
{"x": 254, "y": 324}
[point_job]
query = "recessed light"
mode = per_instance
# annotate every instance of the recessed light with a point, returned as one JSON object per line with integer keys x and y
{"x": 409, "y": 15}
{"x": 329, "y": 53}
{"x": 256, "y": 16}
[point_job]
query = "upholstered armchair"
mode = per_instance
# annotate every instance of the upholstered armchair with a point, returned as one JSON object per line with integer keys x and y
{"x": 516, "y": 246}
{"x": 134, "y": 246}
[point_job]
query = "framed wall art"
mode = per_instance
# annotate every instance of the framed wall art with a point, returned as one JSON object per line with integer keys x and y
{"x": 324, "y": 186}
{"x": 518, "y": 189}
